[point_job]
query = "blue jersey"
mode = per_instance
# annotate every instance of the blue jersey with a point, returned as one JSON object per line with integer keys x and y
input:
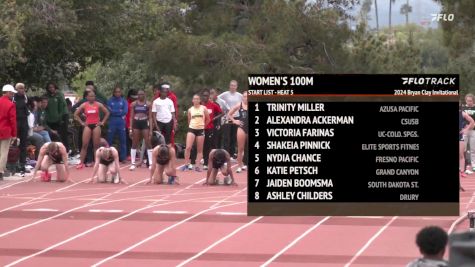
{"x": 118, "y": 107}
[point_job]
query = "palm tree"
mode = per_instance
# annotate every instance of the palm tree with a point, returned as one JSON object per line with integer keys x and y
{"x": 391, "y": 2}
{"x": 405, "y": 10}
{"x": 376, "y": 10}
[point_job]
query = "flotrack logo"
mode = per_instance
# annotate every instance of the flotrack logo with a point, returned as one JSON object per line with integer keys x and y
{"x": 442, "y": 17}
{"x": 428, "y": 81}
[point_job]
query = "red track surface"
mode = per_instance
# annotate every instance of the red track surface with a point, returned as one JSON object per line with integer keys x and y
{"x": 77, "y": 224}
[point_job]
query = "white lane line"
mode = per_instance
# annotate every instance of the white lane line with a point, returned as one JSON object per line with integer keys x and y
{"x": 365, "y": 217}
{"x": 92, "y": 203}
{"x": 64, "y": 212}
{"x": 160, "y": 233}
{"x": 457, "y": 222}
{"x": 27, "y": 180}
{"x": 470, "y": 201}
{"x": 462, "y": 217}
{"x": 291, "y": 244}
{"x": 98, "y": 227}
{"x": 170, "y": 212}
{"x": 242, "y": 227}
{"x": 41, "y": 209}
{"x": 227, "y": 198}
{"x": 28, "y": 202}
{"x": 10, "y": 185}
{"x": 430, "y": 219}
{"x": 366, "y": 245}
{"x": 51, "y": 192}
{"x": 231, "y": 213}
{"x": 105, "y": 211}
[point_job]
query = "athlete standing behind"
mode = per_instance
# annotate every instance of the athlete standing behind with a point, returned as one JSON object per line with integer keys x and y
{"x": 92, "y": 125}
{"x": 52, "y": 153}
{"x": 141, "y": 126}
{"x": 219, "y": 159}
{"x": 242, "y": 123}
{"x": 469, "y": 108}
{"x": 107, "y": 159}
{"x": 464, "y": 127}
{"x": 198, "y": 117}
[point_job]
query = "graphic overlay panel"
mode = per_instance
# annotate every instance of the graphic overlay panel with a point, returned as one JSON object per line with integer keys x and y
{"x": 353, "y": 145}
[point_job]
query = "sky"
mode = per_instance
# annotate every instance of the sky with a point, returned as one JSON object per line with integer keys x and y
{"x": 421, "y": 11}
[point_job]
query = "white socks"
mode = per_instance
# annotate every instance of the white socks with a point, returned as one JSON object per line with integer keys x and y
{"x": 149, "y": 152}
{"x": 133, "y": 155}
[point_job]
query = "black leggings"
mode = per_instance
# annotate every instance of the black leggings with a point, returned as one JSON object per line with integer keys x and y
{"x": 166, "y": 129}
{"x": 22, "y": 133}
{"x": 209, "y": 144}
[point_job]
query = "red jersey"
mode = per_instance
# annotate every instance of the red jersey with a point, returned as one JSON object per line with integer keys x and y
{"x": 92, "y": 113}
{"x": 127, "y": 117}
{"x": 213, "y": 110}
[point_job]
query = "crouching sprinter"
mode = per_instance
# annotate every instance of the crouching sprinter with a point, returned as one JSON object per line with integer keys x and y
{"x": 52, "y": 153}
{"x": 219, "y": 159}
{"x": 164, "y": 161}
{"x": 107, "y": 160}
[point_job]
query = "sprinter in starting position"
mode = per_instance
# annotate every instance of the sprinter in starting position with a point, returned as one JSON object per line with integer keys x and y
{"x": 219, "y": 159}
{"x": 52, "y": 153}
{"x": 107, "y": 159}
{"x": 165, "y": 157}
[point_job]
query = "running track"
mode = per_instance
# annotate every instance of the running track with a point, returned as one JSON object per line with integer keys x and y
{"x": 50, "y": 224}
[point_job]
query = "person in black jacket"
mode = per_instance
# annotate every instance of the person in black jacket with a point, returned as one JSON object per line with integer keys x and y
{"x": 21, "y": 100}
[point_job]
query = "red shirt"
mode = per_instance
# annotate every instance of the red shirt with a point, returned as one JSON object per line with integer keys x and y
{"x": 213, "y": 110}
{"x": 127, "y": 117}
{"x": 91, "y": 112}
{"x": 7, "y": 118}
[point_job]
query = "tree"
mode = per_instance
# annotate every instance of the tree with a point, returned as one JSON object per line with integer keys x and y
{"x": 405, "y": 10}
{"x": 55, "y": 40}
{"x": 459, "y": 35}
{"x": 219, "y": 41}
{"x": 11, "y": 39}
{"x": 459, "y": 38}
{"x": 376, "y": 11}
{"x": 391, "y": 2}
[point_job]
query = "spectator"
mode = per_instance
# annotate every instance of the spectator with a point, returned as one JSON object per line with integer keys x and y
{"x": 164, "y": 115}
{"x": 57, "y": 113}
{"x": 92, "y": 124}
{"x": 8, "y": 128}
{"x": 215, "y": 114}
{"x": 131, "y": 97}
{"x": 141, "y": 123}
{"x": 41, "y": 127}
{"x": 21, "y": 100}
{"x": 172, "y": 96}
{"x": 242, "y": 123}
{"x": 35, "y": 138}
{"x": 119, "y": 108}
{"x": 69, "y": 104}
{"x": 90, "y": 151}
{"x": 431, "y": 241}
{"x": 99, "y": 96}
{"x": 231, "y": 98}
{"x": 469, "y": 108}
{"x": 198, "y": 118}
{"x": 466, "y": 123}
{"x": 218, "y": 124}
